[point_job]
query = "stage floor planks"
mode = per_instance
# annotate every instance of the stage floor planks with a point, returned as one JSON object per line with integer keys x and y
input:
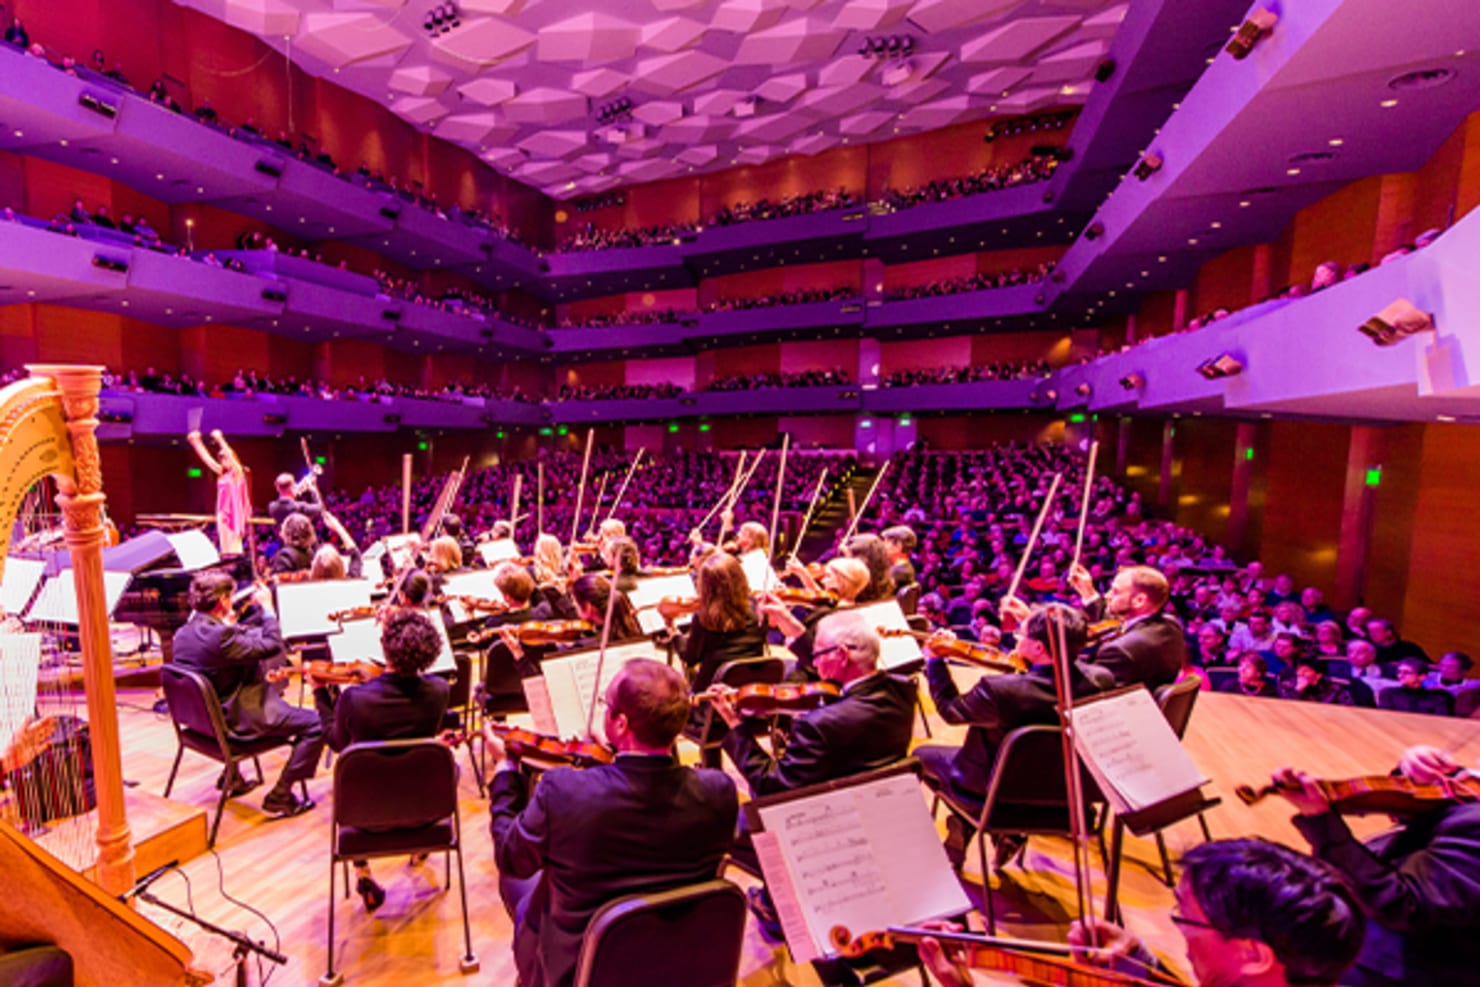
{"x": 280, "y": 867}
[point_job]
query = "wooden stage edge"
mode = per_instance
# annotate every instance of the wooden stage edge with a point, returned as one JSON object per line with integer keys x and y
{"x": 164, "y": 830}
{"x": 281, "y": 867}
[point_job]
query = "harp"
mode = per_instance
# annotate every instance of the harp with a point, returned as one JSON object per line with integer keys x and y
{"x": 47, "y": 425}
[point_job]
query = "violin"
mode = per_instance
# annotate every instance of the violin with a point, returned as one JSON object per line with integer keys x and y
{"x": 1035, "y": 962}
{"x": 329, "y": 672}
{"x": 673, "y": 607}
{"x": 969, "y": 652}
{"x": 355, "y": 613}
{"x": 523, "y": 744}
{"x": 300, "y": 576}
{"x": 1387, "y": 794}
{"x": 539, "y": 632}
{"x": 1103, "y": 630}
{"x": 476, "y": 604}
{"x": 797, "y": 597}
{"x": 763, "y": 699}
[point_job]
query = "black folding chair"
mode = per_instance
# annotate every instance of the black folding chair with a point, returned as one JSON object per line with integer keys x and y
{"x": 200, "y": 726}
{"x": 733, "y": 674}
{"x": 395, "y": 798}
{"x": 640, "y": 939}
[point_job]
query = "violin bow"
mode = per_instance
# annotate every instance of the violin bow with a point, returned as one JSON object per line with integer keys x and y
{"x": 575, "y": 519}
{"x": 596, "y": 507}
{"x": 776, "y": 503}
{"x": 616, "y": 501}
{"x": 1017, "y": 577}
{"x": 606, "y": 633}
{"x": 1089, "y": 482}
{"x": 539, "y": 503}
{"x": 406, "y": 494}
{"x": 858, "y": 515}
{"x": 514, "y": 509}
{"x": 724, "y": 497}
{"x": 741, "y": 483}
{"x": 807, "y": 518}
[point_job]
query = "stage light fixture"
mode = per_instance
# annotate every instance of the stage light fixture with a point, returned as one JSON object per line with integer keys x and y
{"x": 1252, "y": 31}
{"x": 1222, "y": 365}
{"x": 1148, "y": 166}
{"x": 1084, "y": 390}
{"x": 1105, "y": 70}
{"x": 1396, "y": 323}
{"x": 1132, "y": 381}
{"x": 1094, "y": 230}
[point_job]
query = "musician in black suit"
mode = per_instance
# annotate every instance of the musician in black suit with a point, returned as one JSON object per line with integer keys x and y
{"x": 288, "y": 501}
{"x": 402, "y": 704}
{"x": 230, "y": 653}
{"x": 584, "y": 837}
{"x": 867, "y": 727}
{"x": 1151, "y": 646}
{"x": 1419, "y": 883}
{"x": 296, "y": 552}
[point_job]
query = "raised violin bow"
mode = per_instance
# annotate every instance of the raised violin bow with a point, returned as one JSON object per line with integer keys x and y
{"x": 1089, "y": 481}
{"x": 575, "y": 519}
{"x": 1017, "y": 577}
{"x": 858, "y": 515}
{"x": 617, "y": 500}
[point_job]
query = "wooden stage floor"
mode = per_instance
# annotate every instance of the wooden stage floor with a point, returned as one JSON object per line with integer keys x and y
{"x": 280, "y": 867}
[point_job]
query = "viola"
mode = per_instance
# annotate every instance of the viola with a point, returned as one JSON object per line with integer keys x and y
{"x": 300, "y": 576}
{"x": 539, "y": 632}
{"x": 1387, "y": 794}
{"x": 329, "y": 672}
{"x": 1035, "y": 962}
{"x": 673, "y": 607}
{"x": 1103, "y": 630}
{"x": 477, "y": 604}
{"x": 355, "y": 613}
{"x": 667, "y": 570}
{"x": 763, "y": 699}
{"x": 969, "y": 652}
{"x": 523, "y": 744}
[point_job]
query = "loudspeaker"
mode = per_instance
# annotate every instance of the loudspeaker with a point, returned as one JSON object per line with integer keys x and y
{"x": 1250, "y": 33}
{"x": 1396, "y": 323}
{"x": 1148, "y": 166}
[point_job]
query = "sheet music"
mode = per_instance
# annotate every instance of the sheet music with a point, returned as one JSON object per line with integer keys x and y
{"x": 20, "y": 671}
{"x": 650, "y": 589}
{"x": 864, "y": 857}
{"x": 893, "y": 651}
{"x": 193, "y": 549}
{"x": 784, "y": 896}
{"x": 57, "y": 601}
{"x": 541, "y": 710}
{"x": 758, "y": 571}
{"x": 1132, "y": 752}
{"x": 478, "y": 583}
{"x": 304, "y": 608}
{"x": 22, "y": 576}
{"x": 360, "y": 641}
{"x": 571, "y": 681}
{"x": 402, "y": 549}
{"x": 494, "y": 552}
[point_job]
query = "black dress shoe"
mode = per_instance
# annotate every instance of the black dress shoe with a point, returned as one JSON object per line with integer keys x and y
{"x": 372, "y": 894}
{"x": 281, "y": 804}
{"x": 239, "y": 785}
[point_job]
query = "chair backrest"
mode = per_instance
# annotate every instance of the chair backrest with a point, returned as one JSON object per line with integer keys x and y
{"x": 1338, "y": 668}
{"x": 394, "y": 784}
{"x": 1467, "y": 704}
{"x": 193, "y": 703}
{"x": 1361, "y": 692}
{"x": 638, "y": 940}
{"x": 748, "y": 671}
{"x": 917, "y": 622}
{"x": 908, "y": 597}
{"x": 1029, "y": 771}
{"x": 1219, "y": 677}
{"x": 462, "y": 681}
{"x": 1176, "y": 702}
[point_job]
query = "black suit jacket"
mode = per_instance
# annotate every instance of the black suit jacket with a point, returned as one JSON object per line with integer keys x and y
{"x": 291, "y": 558}
{"x": 592, "y": 835}
{"x": 280, "y": 508}
{"x": 1435, "y": 702}
{"x": 996, "y": 706}
{"x": 230, "y": 656}
{"x": 868, "y": 727}
{"x": 392, "y": 707}
{"x": 1152, "y": 650}
{"x": 704, "y": 651}
{"x": 1420, "y": 886}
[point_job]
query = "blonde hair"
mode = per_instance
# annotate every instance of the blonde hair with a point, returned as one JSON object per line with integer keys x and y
{"x": 850, "y": 576}
{"x": 445, "y": 554}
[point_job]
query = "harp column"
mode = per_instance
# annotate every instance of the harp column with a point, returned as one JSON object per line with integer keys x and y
{"x": 81, "y": 499}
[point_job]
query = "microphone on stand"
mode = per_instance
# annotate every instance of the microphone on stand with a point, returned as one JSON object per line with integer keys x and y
{"x": 143, "y": 883}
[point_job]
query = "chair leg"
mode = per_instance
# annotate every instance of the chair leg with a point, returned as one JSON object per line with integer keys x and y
{"x": 447, "y": 878}
{"x": 1166, "y": 861}
{"x": 924, "y": 720}
{"x": 257, "y": 763}
{"x": 180, "y": 753}
{"x": 220, "y": 809}
{"x": 1112, "y": 873}
{"x": 469, "y": 962}
{"x": 1202, "y": 821}
{"x": 988, "y": 910}
{"x": 330, "y": 978}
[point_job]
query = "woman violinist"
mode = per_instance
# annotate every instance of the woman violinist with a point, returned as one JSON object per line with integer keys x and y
{"x": 725, "y": 627}
{"x": 846, "y": 578}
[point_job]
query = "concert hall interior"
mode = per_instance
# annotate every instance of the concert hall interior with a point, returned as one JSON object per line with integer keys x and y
{"x": 689, "y": 492}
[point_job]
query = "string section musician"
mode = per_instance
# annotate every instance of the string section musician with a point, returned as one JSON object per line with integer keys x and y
{"x": 230, "y": 654}
{"x": 1152, "y": 645}
{"x": 585, "y": 836}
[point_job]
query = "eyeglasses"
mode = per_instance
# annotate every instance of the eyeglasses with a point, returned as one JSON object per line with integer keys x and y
{"x": 819, "y": 653}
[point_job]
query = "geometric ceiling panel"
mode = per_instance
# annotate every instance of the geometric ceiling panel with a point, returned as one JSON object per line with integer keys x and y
{"x": 1016, "y": 39}
{"x": 343, "y": 39}
{"x": 781, "y": 88}
{"x": 488, "y": 91}
{"x": 589, "y": 37}
{"x": 702, "y": 84}
{"x": 794, "y": 41}
{"x": 545, "y": 106}
{"x": 871, "y": 15}
{"x": 671, "y": 34}
{"x": 936, "y": 16}
{"x": 420, "y": 80}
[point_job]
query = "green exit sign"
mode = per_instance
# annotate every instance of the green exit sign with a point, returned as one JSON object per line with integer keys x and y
{"x": 1374, "y": 476}
{"x": 194, "y": 473}
{"x": 321, "y": 460}
{"x": 1249, "y": 453}
{"x": 421, "y": 447}
{"x": 1075, "y": 419}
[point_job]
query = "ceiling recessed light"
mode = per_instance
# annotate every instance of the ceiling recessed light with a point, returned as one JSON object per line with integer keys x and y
{"x": 1292, "y": 171}
{"x": 1244, "y": 203}
{"x": 1216, "y": 225}
{"x": 1192, "y": 241}
{"x": 1388, "y": 104}
{"x": 1336, "y": 142}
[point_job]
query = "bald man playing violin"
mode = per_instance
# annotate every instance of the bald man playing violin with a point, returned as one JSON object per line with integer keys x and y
{"x": 1419, "y": 883}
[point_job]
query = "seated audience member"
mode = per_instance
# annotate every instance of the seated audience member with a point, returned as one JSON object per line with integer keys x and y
{"x": 582, "y": 837}
{"x": 1410, "y": 695}
{"x": 1309, "y": 683}
{"x": 1452, "y": 674}
{"x": 1151, "y": 647}
{"x": 1212, "y": 646}
{"x": 1289, "y": 619}
{"x": 1390, "y": 647}
{"x": 1283, "y": 591}
{"x": 1361, "y": 654}
{"x": 402, "y": 704}
{"x": 1253, "y": 677}
{"x": 998, "y": 705}
{"x": 1356, "y": 622}
{"x": 1329, "y": 641}
{"x": 1256, "y": 635}
{"x": 1314, "y": 604}
{"x": 1288, "y": 649}
{"x": 1419, "y": 884}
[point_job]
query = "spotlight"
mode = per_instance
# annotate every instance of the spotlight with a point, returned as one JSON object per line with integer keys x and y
{"x": 1222, "y": 365}
{"x": 1147, "y": 166}
{"x": 1084, "y": 390}
{"x": 1396, "y": 323}
{"x": 1094, "y": 230}
{"x": 1132, "y": 381}
{"x": 1250, "y": 33}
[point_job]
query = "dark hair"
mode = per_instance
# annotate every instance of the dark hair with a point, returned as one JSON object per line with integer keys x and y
{"x": 1044, "y": 622}
{"x": 901, "y": 535}
{"x": 871, "y": 551}
{"x": 410, "y": 642}
{"x": 1413, "y": 661}
{"x": 724, "y": 595}
{"x": 593, "y": 591}
{"x": 655, "y": 700}
{"x": 207, "y": 588}
{"x": 1256, "y": 659}
{"x": 1465, "y": 661}
{"x": 416, "y": 586}
{"x": 451, "y": 525}
{"x": 1294, "y": 904}
{"x": 514, "y": 582}
{"x": 297, "y": 530}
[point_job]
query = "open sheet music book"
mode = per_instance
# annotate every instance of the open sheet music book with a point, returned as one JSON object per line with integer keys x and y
{"x": 193, "y": 549}
{"x": 569, "y": 682}
{"x": 478, "y": 582}
{"x": 494, "y": 552}
{"x": 1129, "y": 747}
{"x": 359, "y": 640}
{"x": 861, "y": 853}
{"x": 894, "y": 652}
{"x": 57, "y": 601}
